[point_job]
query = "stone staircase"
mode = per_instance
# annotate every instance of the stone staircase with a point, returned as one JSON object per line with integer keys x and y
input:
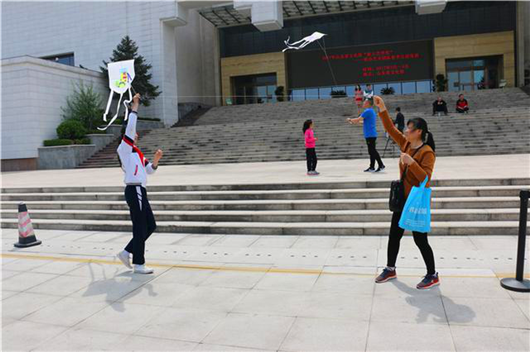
{"x": 498, "y": 124}
{"x": 460, "y": 207}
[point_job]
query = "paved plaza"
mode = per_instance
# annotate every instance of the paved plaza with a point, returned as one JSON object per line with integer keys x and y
{"x": 447, "y": 168}
{"x": 258, "y": 293}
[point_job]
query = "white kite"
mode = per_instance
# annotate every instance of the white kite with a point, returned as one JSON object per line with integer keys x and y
{"x": 121, "y": 75}
{"x": 303, "y": 42}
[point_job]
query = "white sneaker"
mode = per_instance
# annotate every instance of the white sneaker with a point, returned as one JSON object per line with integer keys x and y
{"x": 142, "y": 269}
{"x": 124, "y": 257}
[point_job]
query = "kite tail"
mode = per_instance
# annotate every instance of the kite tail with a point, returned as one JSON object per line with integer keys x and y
{"x": 113, "y": 117}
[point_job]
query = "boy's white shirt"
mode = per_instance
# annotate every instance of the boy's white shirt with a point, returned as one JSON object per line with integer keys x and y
{"x": 135, "y": 169}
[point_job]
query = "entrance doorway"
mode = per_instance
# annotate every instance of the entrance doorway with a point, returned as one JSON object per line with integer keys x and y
{"x": 473, "y": 73}
{"x": 254, "y": 89}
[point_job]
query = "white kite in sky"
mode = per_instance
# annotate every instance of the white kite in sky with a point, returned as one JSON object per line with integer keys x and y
{"x": 303, "y": 42}
{"x": 121, "y": 75}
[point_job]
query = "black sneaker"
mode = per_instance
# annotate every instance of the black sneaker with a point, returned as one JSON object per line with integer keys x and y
{"x": 386, "y": 275}
{"x": 370, "y": 169}
{"x": 428, "y": 282}
{"x": 381, "y": 168}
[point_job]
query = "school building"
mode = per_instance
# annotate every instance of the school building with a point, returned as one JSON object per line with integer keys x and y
{"x": 230, "y": 52}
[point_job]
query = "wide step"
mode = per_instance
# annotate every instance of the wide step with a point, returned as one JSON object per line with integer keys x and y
{"x": 459, "y": 207}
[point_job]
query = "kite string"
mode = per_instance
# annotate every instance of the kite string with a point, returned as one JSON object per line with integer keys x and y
{"x": 327, "y": 59}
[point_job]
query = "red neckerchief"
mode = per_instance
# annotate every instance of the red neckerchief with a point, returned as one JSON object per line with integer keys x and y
{"x": 135, "y": 149}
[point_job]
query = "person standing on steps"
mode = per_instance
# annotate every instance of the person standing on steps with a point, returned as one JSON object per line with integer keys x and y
{"x": 400, "y": 120}
{"x": 368, "y": 119}
{"x": 136, "y": 168}
{"x": 416, "y": 163}
{"x": 358, "y": 98}
{"x": 310, "y": 143}
{"x": 369, "y": 92}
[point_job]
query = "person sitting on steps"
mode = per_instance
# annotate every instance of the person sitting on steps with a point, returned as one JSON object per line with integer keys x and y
{"x": 439, "y": 106}
{"x": 461, "y": 105}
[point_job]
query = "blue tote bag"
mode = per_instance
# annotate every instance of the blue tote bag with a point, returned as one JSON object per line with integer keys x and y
{"x": 416, "y": 215}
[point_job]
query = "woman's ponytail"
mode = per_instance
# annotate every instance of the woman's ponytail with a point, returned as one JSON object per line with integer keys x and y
{"x": 430, "y": 141}
{"x": 426, "y": 136}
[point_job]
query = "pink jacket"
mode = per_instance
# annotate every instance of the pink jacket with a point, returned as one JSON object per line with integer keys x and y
{"x": 309, "y": 138}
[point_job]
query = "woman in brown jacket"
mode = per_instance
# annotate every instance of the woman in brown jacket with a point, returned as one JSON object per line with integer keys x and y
{"x": 417, "y": 158}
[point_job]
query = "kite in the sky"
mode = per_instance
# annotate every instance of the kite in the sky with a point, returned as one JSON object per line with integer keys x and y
{"x": 121, "y": 75}
{"x": 303, "y": 42}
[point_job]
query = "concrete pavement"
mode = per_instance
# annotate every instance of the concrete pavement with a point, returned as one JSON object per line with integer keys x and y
{"x": 259, "y": 293}
{"x": 464, "y": 167}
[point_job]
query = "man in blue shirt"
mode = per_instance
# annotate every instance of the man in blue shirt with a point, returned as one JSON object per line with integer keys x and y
{"x": 368, "y": 119}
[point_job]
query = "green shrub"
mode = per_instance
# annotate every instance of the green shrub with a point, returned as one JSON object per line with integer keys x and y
{"x": 338, "y": 94}
{"x": 96, "y": 131}
{"x": 279, "y": 92}
{"x": 82, "y": 141}
{"x": 56, "y": 142}
{"x": 84, "y": 105}
{"x": 440, "y": 83}
{"x": 149, "y": 118}
{"x": 71, "y": 129}
{"x": 387, "y": 91}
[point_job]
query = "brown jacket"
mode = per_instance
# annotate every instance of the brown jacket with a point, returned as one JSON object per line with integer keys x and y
{"x": 424, "y": 157}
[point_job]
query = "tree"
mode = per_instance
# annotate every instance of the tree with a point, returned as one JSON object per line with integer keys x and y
{"x": 440, "y": 83}
{"x": 84, "y": 105}
{"x": 127, "y": 50}
{"x": 387, "y": 91}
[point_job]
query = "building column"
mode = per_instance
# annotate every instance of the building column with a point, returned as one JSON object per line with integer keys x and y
{"x": 168, "y": 70}
{"x": 521, "y": 31}
{"x": 526, "y": 32}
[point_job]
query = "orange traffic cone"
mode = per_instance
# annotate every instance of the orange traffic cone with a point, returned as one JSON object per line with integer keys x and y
{"x": 26, "y": 236}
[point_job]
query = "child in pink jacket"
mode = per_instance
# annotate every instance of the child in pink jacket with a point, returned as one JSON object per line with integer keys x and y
{"x": 310, "y": 152}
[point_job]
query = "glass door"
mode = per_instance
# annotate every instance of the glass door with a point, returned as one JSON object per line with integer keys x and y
{"x": 255, "y": 89}
{"x": 472, "y": 74}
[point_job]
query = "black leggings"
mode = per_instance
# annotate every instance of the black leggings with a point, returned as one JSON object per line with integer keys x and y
{"x": 143, "y": 221}
{"x": 396, "y": 233}
{"x": 374, "y": 155}
{"x": 311, "y": 156}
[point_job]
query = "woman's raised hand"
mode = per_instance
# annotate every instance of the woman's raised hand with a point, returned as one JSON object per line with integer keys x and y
{"x": 379, "y": 102}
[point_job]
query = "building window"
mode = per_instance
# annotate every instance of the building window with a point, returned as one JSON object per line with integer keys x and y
{"x": 311, "y": 94}
{"x": 298, "y": 94}
{"x": 378, "y": 87}
{"x": 325, "y": 93}
{"x": 65, "y": 59}
{"x": 408, "y": 87}
{"x": 396, "y": 86}
{"x": 424, "y": 87}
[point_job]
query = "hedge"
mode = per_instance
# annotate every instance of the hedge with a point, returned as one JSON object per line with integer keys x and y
{"x": 56, "y": 142}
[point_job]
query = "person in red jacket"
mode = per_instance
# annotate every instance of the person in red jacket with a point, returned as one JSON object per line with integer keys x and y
{"x": 461, "y": 105}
